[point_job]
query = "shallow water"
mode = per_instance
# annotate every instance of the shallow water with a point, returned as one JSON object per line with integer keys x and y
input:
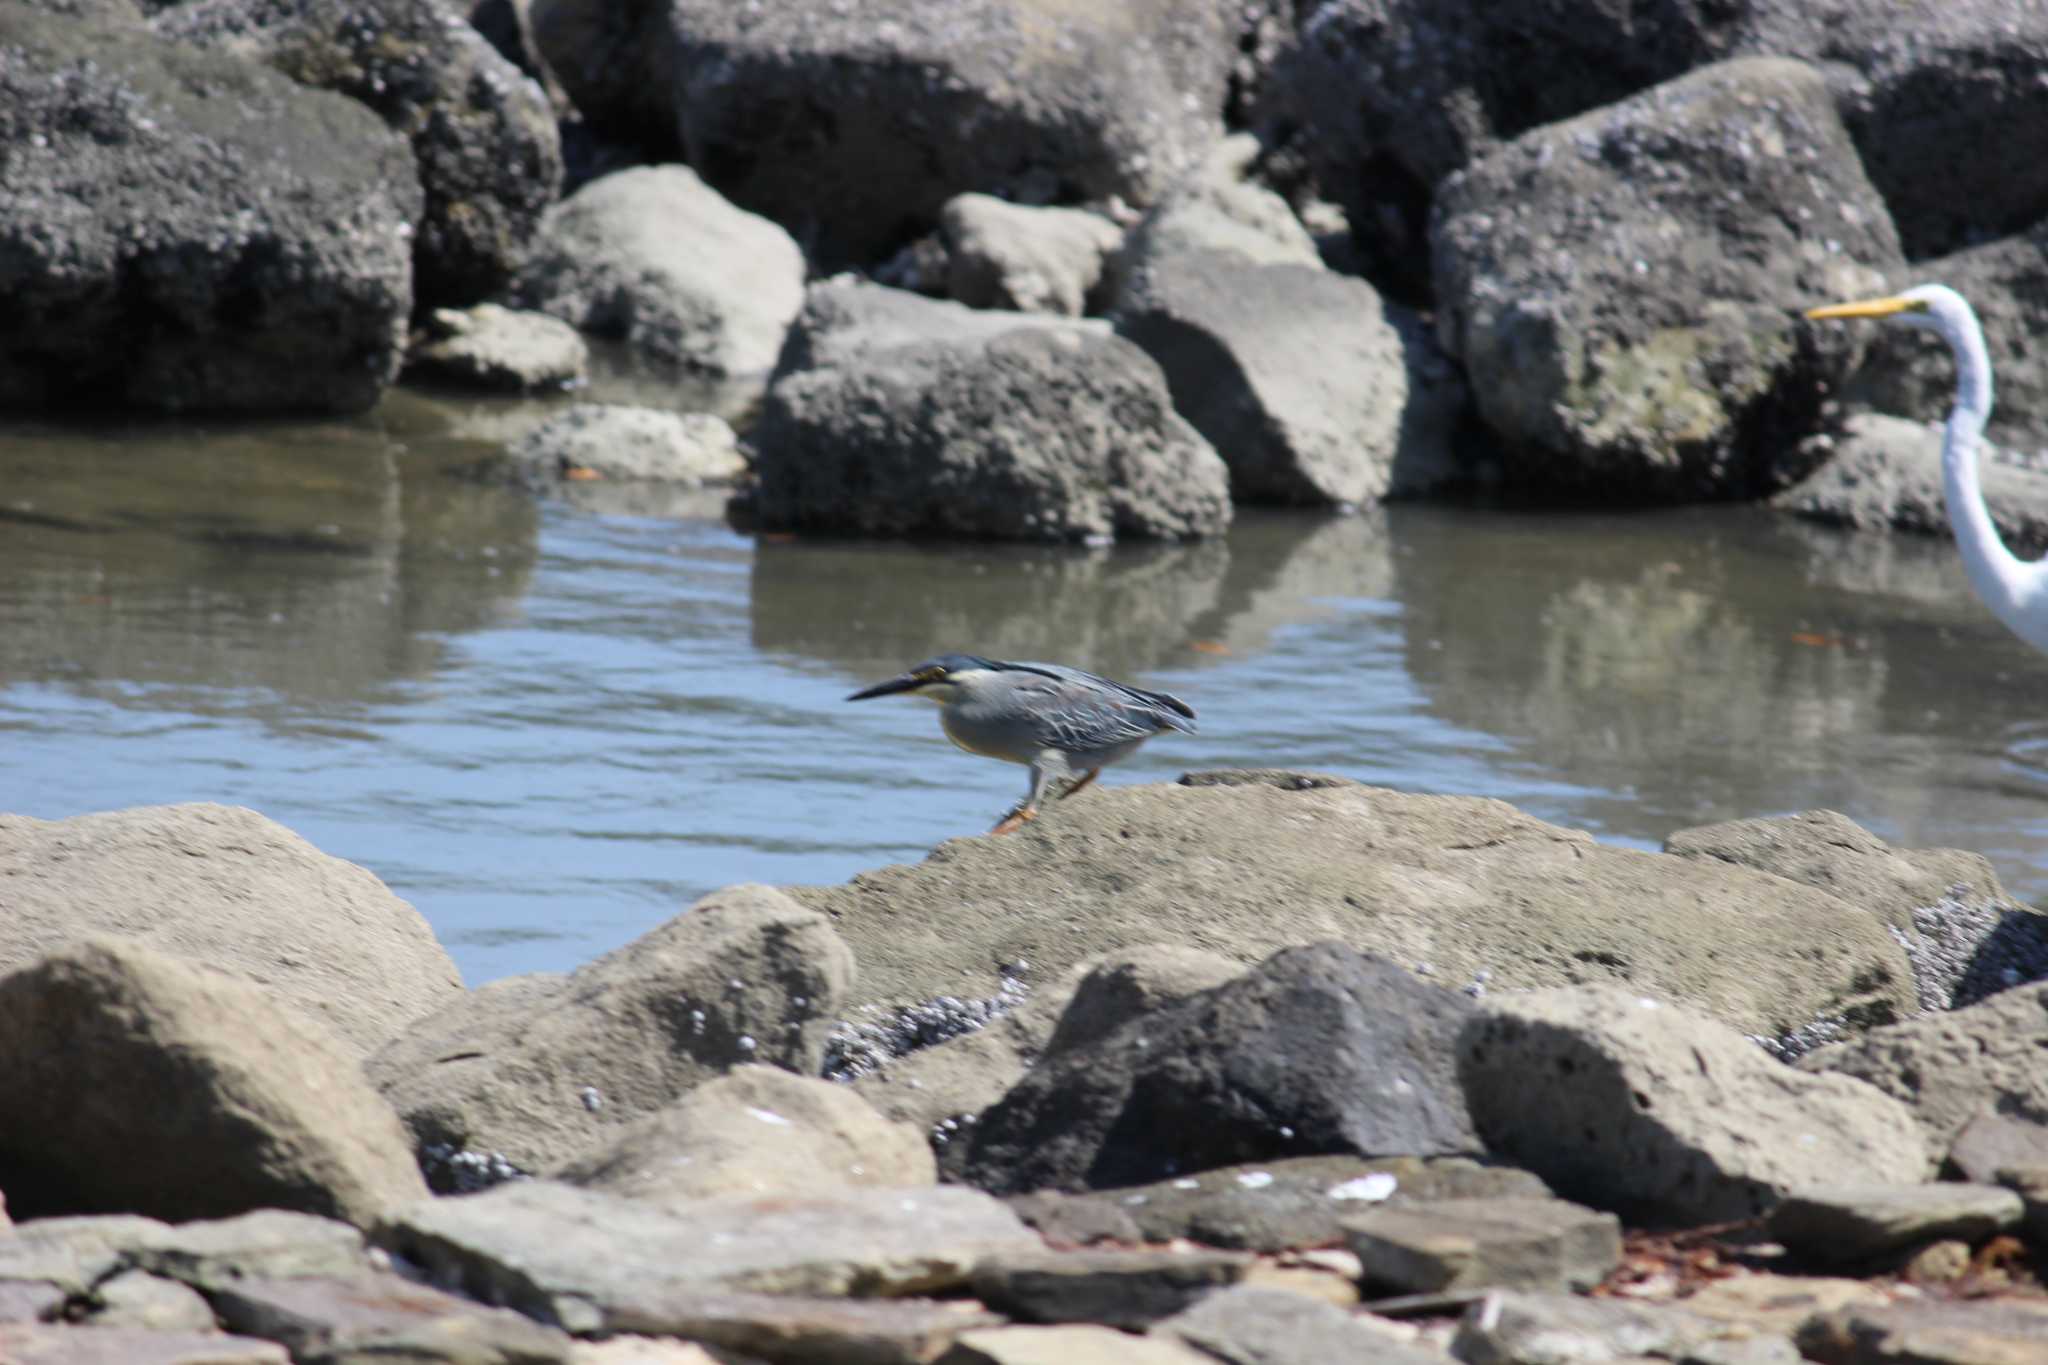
{"x": 550, "y": 727}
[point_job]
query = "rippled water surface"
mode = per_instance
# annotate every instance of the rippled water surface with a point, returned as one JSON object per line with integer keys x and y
{"x": 549, "y": 726}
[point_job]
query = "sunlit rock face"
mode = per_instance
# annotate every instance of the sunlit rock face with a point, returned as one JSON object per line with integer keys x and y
{"x": 1619, "y": 285}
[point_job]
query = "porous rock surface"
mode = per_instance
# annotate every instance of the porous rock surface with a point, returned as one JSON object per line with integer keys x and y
{"x": 1619, "y": 285}
{"x": 1950, "y": 1067}
{"x": 893, "y": 414}
{"x": 1461, "y": 885}
{"x": 236, "y": 892}
{"x": 245, "y": 1106}
{"x": 482, "y": 133}
{"x": 1633, "y": 1104}
{"x": 187, "y": 231}
{"x": 542, "y": 1069}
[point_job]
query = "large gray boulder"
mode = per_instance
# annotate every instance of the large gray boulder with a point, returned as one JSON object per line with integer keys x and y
{"x": 1459, "y": 885}
{"x": 1319, "y": 1049}
{"x": 1619, "y": 286}
{"x": 654, "y": 257}
{"x": 852, "y": 125}
{"x": 1629, "y": 1103}
{"x": 539, "y": 1070}
{"x": 1394, "y": 95}
{"x": 1943, "y": 104}
{"x": 1296, "y": 375}
{"x": 482, "y": 133}
{"x": 893, "y": 414}
{"x": 136, "y": 1082}
{"x": 186, "y": 231}
{"x": 227, "y": 889}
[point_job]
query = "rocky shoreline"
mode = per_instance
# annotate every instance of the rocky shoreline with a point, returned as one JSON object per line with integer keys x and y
{"x": 992, "y": 272}
{"x": 1145, "y": 1081}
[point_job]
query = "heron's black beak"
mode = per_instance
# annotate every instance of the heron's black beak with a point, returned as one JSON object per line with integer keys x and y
{"x": 903, "y": 683}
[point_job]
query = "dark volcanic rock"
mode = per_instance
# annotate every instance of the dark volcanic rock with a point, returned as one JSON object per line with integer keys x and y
{"x": 893, "y": 414}
{"x": 1129, "y": 1289}
{"x": 1319, "y": 1049}
{"x": 482, "y": 133}
{"x": 852, "y": 125}
{"x": 1620, "y": 286}
{"x": 186, "y": 231}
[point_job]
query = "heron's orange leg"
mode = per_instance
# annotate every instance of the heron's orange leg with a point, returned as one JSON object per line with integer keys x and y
{"x": 1086, "y": 778}
{"x": 1015, "y": 820}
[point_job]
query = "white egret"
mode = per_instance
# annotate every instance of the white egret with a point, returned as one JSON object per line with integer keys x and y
{"x": 2014, "y": 589}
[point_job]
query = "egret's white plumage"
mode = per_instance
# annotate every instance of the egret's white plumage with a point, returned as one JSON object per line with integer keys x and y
{"x": 2015, "y": 589}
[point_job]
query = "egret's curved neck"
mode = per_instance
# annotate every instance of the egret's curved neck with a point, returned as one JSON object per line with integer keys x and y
{"x": 1994, "y": 571}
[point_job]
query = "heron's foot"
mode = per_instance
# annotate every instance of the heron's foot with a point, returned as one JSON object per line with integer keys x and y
{"x": 1086, "y": 778}
{"x": 1015, "y": 820}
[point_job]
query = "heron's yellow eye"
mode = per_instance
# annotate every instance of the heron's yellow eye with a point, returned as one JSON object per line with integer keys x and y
{"x": 930, "y": 675}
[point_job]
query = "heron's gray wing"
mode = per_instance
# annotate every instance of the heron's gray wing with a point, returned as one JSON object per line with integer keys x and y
{"x": 1078, "y": 711}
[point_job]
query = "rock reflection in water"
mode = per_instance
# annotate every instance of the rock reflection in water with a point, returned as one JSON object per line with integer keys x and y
{"x": 298, "y": 560}
{"x": 1681, "y": 666}
{"x": 1123, "y": 611}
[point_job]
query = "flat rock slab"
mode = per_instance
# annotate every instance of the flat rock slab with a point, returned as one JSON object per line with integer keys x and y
{"x": 2004, "y": 1332}
{"x": 1130, "y": 1289}
{"x": 1850, "y": 1222}
{"x": 1265, "y": 1206}
{"x": 380, "y": 1316}
{"x": 801, "y": 1330}
{"x": 1455, "y": 1244}
{"x": 1252, "y": 1326}
{"x": 1070, "y": 1345}
{"x": 1511, "y": 1328}
{"x": 593, "y": 1262}
{"x": 41, "y": 1344}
